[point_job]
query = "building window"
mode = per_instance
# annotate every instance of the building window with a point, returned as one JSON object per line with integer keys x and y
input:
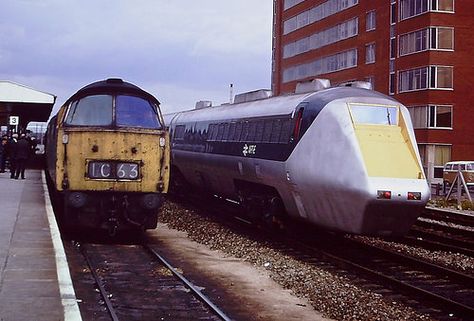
{"x": 370, "y": 53}
{"x": 326, "y": 37}
{"x": 442, "y": 5}
{"x": 441, "y": 77}
{"x": 434, "y": 38}
{"x": 432, "y": 116}
{"x": 291, "y": 3}
{"x": 393, "y": 48}
{"x": 442, "y": 38}
{"x": 391, "y": 84}
{"x": 393, "y": 13}
{"x": 370, "y": 22}
{"x": 414, "y": 79}
{"x": 436, "y": 156}
{"x": 336, "y": 62}
{"x": 432, "y": 77}
{"x": 316, "y": 13}
{"x": 411, "y": 8}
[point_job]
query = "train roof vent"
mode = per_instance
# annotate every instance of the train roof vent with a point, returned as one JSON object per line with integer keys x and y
{"x": 252, "y": 95}
{"x": 312, "y": 85}
{"x": 203, "y": 104}
{"x": 357, "y": 84}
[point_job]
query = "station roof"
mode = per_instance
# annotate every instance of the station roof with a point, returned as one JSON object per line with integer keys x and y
{"x": 27, "y": 103}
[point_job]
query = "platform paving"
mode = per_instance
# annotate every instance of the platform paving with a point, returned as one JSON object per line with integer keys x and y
{"x": 29, "y": 287}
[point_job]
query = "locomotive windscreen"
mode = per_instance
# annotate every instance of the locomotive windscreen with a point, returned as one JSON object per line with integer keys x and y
{"x": 97, "y": 110}
{"x": 376, "y": 115}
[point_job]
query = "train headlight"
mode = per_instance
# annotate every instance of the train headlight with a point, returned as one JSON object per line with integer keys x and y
{"x": 414, "y": 196}
{"x": 150, "y": 201}
{"x": 77, "y": 199}
{"x": 65, "y": 138}
{"x": 384, "y": 195}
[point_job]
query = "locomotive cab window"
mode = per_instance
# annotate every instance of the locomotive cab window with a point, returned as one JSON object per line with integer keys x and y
{"x": 134, "y": 111}
{"x": 374, "y": 115}
{"x": 93, "y": 110}
{"x": 98, "y": 110}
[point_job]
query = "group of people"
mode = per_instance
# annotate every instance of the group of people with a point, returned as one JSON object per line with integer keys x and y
{"x": 16, "y": 151}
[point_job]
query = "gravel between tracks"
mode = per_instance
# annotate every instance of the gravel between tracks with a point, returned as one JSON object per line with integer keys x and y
{"x": 334, "y": 295}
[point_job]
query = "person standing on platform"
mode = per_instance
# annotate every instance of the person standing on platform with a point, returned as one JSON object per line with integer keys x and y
{"x": 23, "y": 151}
{"x": 12, "y": 154}
{"x": 3, "y": 154}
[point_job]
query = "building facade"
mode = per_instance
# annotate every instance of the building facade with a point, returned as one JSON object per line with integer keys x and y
{"x": 421, "y": 52}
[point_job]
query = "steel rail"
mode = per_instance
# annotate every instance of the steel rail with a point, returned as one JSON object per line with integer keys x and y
{"x": 191, "y": 286}
{"x": 98, "y": 281}
{"x": 448, "y": 303}
{"x": 450, "y": 216}
{"x": 422, "y": 238}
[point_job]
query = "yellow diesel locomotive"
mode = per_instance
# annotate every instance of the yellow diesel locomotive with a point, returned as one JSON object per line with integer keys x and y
{"x": 108, "y": 157}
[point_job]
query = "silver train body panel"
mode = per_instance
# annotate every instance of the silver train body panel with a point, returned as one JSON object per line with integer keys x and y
{"x": 325, "y": 178}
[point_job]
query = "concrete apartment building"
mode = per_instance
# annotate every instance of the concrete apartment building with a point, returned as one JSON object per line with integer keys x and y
{"x": 421, "y": 52}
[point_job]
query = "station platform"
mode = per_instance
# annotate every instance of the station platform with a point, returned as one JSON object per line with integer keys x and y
{"x": 35, "y": 282}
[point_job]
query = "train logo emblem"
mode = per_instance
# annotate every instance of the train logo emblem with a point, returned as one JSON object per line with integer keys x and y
{"x": 249, "y": 150}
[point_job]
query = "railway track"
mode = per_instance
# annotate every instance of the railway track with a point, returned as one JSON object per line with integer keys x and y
{"x": 136, "y": 283}
{"x": 431, "y": 284}
{"x": 436, "y": 290}
{"x": 459, "y": 218}
{"x": 444, "y": 230}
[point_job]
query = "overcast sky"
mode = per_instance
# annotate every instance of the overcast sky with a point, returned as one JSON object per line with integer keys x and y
{"x": 181, "y": 51}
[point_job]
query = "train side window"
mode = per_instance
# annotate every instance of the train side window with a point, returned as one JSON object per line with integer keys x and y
{"x": 232, "y": 131}
{"x": 95, "y": 110}
{"x": 285, "y": 131}
{"x": 179, "y": 132}
{"x": 267, "y": 131}
{"x": 260, "y": 125}
{"x": 226, "y": 132}
{"x": 252, "y": 130}
{"x": 220, "y": 132}
{"x": 276, "y": 131}
{"x": 215, "y": 129}
{"x": 209, "y": 131}
{"x": 245, "y": 131}
{"x": 238, "y": 131}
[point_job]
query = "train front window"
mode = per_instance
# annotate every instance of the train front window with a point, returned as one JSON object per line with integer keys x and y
{"x": 374, "y": 115}
{"x": 95, "y": 110}
{"x": 134, "y": 111}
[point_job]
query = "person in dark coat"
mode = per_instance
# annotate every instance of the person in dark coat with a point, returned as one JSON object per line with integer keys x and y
{"x": 12, "y": 154}
{"x": 3, "y": 154}
{"x": 23, "y": 151}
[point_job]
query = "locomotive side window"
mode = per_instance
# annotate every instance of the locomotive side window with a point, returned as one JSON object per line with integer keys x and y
{"x": 179, "y": 132}
{"x": 134, "y": 111}
{"x": 93, "y": 110}
{"x": 375, "y": 115}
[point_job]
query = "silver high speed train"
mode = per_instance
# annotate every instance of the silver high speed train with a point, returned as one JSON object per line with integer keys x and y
{"x": 342, "y": 158}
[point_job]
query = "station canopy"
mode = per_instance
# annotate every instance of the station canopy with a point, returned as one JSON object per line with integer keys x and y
{"x": 25, "y": 102}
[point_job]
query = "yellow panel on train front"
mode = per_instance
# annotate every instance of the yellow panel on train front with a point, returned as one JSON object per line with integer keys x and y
{"x": 84, "y": 147}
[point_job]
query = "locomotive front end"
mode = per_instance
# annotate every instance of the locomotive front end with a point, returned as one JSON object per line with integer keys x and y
{"x": 397, "y": 190}
{"x": 112, "y": 158}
